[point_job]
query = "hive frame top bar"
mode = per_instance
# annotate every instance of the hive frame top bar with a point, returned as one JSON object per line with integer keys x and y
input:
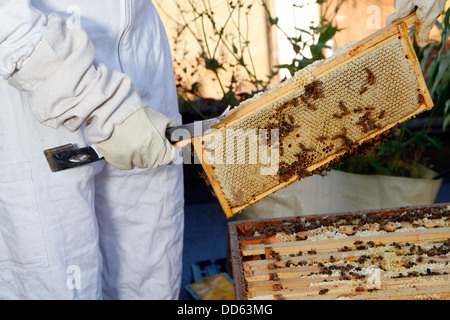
{"x": 248, "y": 108}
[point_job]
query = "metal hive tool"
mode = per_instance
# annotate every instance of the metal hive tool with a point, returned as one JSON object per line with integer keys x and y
{"x": 338, "y": 107}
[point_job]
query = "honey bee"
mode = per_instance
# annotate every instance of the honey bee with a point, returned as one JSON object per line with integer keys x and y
{"x": 396, "y": 245}
{"x": 345, "y": 249}
{"x": 304, "y": 148}
{"x": 311, "y": 106}
{"x": 291, "y": 118}
{"x": 289, "y": 103}
{"x": 362, "y": 259}
{"x": 369, "y": 126}
{"x": 370, "y": 77}
{"x": 363, "y": 90}
{"x": 277, "y": 287}
{"x": 362, "y": 120}
{"x": 343, "y": 108}
{"x": 273, "y": 266}
{"x": 303, "y": 263}
{"x": 288, "y": 263}
{"x": 280, "y": 109}
{"x": 314, "y": 89}
{"x": 420, "y": 98}
{"x": 323, "y": 291}
{"x": 381, "y": 115}
{"x": 205, "y": 177}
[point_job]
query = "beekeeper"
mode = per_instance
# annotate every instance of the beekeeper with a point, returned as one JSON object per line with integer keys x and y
{"x": 88, "y": 72}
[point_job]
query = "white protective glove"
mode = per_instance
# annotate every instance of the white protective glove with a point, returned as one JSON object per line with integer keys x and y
{"x": 65, "y": 88}
{"x": 140, "y": 142}
{"x": 427, "y": 13}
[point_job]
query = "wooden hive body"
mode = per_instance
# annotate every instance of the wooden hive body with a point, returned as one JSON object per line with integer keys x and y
{"x": 331, "y": 257}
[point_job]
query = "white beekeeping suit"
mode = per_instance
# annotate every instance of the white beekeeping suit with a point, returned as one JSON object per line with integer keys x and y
{"x": 88, "y": 72}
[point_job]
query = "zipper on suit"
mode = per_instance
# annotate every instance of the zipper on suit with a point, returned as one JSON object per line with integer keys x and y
{"x": 125, "y": 29}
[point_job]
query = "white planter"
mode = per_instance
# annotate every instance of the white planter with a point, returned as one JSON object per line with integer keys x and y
{"x": 340, "y": 192}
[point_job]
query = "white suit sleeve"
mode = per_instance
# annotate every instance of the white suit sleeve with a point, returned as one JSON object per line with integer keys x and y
{"x": 64, "y": 85}
{"x": 21, "y": 29}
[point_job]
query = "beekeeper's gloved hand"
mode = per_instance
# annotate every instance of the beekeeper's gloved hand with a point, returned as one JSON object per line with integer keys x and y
{"x": 427, "y": 13}
{"x": 65, "y": 87}
{"x": 140, "y": 141}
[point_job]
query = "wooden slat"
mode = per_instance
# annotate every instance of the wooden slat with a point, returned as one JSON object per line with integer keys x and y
{"x": 266, "y": 286}
{"x": 309, "y": 233}
{"x": 282, "y": 248}
{"x": 424, "y": 281}
{"x": 424, "y": 293}
{"x": 326, "y": 257}
{"x": 269, "y": 265}
{"x": 288, "y": 273}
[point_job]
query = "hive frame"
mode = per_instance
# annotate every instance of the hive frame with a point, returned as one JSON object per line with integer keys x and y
{"x": 398, "y": 30}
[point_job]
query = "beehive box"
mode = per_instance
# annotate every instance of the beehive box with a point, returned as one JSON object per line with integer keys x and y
{"x": 335, "y": 108}
{"x": 400, "y": 253}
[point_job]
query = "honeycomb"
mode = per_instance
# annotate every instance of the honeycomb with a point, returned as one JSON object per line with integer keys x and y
{"x": 318, "y": 122}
